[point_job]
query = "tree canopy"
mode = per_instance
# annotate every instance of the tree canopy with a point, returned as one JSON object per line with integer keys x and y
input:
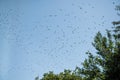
{"x": 66, "y": 75}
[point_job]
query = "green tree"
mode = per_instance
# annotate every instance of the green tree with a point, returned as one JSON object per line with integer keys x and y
{"x": 105, "y": 65}
{"x": 66, "y": 75}
{"x": 112, "y": 71}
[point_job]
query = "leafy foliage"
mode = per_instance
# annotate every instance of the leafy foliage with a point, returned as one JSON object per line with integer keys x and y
{"x": 66, "y": 75}
{"x": 106, "y": 64}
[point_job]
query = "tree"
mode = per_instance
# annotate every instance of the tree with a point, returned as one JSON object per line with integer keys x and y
{"x": 66, "y": 75}
{"x": 113, "y": 71}
{"x": 106, "y": 64}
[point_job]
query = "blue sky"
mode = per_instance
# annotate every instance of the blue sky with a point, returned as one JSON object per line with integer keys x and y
{"x": 38, "y": 36}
